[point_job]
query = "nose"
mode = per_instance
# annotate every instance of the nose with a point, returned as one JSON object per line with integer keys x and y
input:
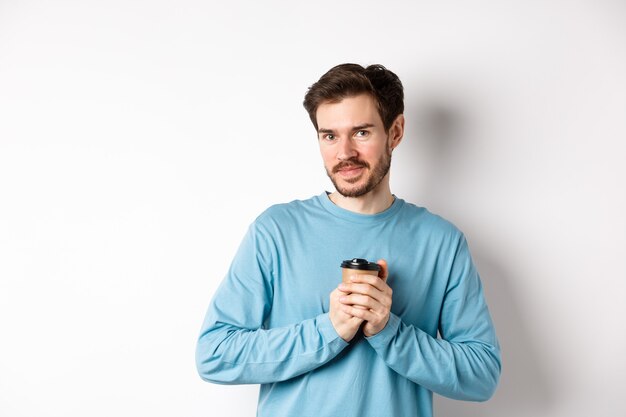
{"x": 346, "y": 149}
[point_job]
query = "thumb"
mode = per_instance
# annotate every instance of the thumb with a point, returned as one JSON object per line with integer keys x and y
{"x": 384, "y": 271}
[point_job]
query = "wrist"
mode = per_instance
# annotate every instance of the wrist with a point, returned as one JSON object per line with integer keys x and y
{"x": 370, "y": 332}
{"x": 384, "y": 337}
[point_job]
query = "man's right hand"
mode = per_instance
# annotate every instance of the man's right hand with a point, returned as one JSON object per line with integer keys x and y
{"x": 345, "y": 325}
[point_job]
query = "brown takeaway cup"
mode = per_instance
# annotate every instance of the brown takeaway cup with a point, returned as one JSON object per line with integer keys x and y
{"x": 358, "y": 266}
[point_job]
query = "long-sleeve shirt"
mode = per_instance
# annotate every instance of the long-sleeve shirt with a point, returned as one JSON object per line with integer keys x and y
{"x": 268, "y": 322}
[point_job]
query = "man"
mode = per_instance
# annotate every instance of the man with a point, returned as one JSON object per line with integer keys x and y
{"x": 368, "y": 347}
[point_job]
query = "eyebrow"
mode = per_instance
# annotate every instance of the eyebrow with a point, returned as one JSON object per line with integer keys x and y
{"x": 363, "y": 126}
{"x": 357, "y": 127}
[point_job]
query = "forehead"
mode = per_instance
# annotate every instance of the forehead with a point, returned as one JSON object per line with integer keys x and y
{"x": 351, "y": 111}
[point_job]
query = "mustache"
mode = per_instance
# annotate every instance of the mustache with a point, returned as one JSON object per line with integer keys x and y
{"x": 350, "y": 163}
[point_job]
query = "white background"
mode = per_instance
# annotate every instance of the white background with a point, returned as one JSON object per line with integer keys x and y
{"x": 138, "y": 139}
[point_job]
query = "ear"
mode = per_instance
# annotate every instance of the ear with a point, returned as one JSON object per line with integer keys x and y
{"x": 396, "y": 131}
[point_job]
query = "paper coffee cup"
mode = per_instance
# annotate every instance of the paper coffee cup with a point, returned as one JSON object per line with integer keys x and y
{"x": 358, "y": 266}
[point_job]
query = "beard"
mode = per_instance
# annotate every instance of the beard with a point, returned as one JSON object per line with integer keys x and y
{"x": 376, "y": 175}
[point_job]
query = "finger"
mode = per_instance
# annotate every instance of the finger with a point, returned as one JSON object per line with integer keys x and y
{"x": 351, "y": 318}
{"x": 364, "y": 302}
{"x": 365, "y": 289}
{"x": 356, "y": 321}
{"x": 339, "y": 292}
{"x": 358, "y": 299}
{"x": 372, "y": 280}
{"x": 363, "y": 314}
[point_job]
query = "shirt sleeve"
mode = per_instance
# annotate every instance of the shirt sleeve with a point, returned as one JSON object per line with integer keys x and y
{"x": 464, "y": 363}
{"x": 235, "y": 347}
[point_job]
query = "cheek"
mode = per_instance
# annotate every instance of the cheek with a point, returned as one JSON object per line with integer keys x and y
{"x": 327, "y": 156}
{"x": 372, "y": 153}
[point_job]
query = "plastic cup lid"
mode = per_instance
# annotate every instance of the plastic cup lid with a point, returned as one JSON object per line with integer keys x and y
{"x": 361, "y": 264}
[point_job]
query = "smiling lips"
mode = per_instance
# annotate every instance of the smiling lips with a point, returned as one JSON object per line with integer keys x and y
{"x": 349, "y": 168}
{"x": 350, "y": 171}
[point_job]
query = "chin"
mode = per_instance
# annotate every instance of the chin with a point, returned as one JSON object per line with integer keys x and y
{"x": 352, "y": 192}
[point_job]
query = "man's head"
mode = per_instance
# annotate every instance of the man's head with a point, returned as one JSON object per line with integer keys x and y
{"x": 357, "y": 113}
{"x": 349, "y": 80}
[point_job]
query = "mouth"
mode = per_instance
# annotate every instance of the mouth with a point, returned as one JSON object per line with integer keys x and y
{"x": 351, "y": 165}
{"x": 350, "y": 171}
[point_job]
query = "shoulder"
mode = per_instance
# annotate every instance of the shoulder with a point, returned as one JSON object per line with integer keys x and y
{"x": 285, "y": 213}
{"x": 428, "y": 223}
{"x": 281, "y": 210}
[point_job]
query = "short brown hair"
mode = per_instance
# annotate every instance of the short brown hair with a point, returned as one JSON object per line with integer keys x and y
{"x": 349, "y": 80}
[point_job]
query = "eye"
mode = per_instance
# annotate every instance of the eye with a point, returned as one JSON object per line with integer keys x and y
{"x": 361, "y": 134}
{"x": 328, "y": 136}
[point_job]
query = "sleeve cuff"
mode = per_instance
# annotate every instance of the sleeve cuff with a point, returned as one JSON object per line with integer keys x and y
{"x": 382, "y": 338}
{"x": 327, "y": 330}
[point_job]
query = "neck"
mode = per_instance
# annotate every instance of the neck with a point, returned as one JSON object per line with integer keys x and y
{"x": 376, "y": 201}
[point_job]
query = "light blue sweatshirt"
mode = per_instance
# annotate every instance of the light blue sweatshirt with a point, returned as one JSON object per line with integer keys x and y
{"x": 268, "y": 322}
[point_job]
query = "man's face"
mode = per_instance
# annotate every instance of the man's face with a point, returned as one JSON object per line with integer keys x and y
{"x": 355, "y": 147}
